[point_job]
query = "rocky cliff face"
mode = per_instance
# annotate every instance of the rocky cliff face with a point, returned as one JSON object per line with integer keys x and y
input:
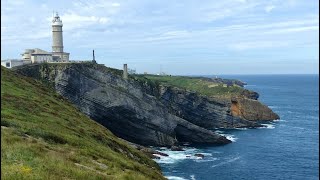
{"x": 145, "y": 112}
{"x": 215, "y": 112}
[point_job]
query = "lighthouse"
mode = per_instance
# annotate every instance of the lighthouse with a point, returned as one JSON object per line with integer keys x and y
{"x": 57, "y": 40}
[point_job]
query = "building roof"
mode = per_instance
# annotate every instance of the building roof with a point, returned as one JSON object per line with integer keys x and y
{"x": 38, "y": 51}
{"x": 7, "y": 60}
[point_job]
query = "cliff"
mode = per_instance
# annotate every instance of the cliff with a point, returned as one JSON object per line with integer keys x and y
{"x": 43, "y": 136}
{"x": 209, "y": 103}
{"x": 146, "y": 111}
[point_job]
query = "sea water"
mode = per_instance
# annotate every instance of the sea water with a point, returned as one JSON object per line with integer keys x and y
{"x": 285, "y": 149}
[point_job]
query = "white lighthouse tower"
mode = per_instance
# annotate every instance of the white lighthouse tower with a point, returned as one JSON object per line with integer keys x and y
{"x": 57, "y": 40}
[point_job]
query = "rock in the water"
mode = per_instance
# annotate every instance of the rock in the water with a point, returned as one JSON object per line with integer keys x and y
{"x": 199, "y": 155}
{"x": 160, "y": 153}
{"x": 176, "y": 148}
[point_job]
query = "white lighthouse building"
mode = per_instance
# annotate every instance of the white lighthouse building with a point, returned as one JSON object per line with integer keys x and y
{"x": 57, "y": 41}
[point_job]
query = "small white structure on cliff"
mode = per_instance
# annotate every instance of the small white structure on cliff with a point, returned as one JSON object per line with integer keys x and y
{"x": 9, "y": 63}
{"x": 37, "y": 55}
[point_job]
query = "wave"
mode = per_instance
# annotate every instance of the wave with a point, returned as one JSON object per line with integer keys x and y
{"x": 206, "y": 160}
{"x": 279, "y": 120}
{"x": 241, "y": 129}
{"x": 218, "y": 131}
{"x": 226, "y": 162}
{"x": 175, "y": 178}
{"x": 192, "y": 177}
{"x": 301, "y": 128}
{"x": 268, "y": 126}
{"x": 231, "y": 137}
{"x": 273, "y": 107}
{"x": 187, "y": 154}
{"x": 174, "y": 156}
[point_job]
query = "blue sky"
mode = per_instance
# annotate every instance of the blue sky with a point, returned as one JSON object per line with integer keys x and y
{"x": 180, "y": 37}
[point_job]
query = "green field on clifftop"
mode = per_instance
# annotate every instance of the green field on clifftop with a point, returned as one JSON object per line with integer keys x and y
{"x": 43, "y": 136}
{"x": 199, "y": 85}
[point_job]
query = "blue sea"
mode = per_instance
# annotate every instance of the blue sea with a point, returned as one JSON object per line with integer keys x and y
{"x": 285, "y": 149}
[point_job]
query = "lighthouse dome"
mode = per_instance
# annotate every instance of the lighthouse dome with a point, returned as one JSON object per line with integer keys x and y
{"x": 56, "y": 21}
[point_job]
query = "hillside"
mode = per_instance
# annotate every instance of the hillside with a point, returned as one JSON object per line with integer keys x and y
{"x": 43, "y": 136}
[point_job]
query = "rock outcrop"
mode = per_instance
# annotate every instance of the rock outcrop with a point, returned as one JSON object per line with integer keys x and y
{"x": 202, "y": 111}
{"x": 251, "y": 110}
{"x": 145, "y": 112}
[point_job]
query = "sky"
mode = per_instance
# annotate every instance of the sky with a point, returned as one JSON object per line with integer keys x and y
{"x": 178, "y": 37}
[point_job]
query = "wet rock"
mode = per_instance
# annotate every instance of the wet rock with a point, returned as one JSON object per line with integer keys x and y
{"x": 199, "y": 155}
{"x": 176, "y": 148}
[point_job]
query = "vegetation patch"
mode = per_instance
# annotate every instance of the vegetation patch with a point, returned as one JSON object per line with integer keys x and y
{"x": 196, "y": 84}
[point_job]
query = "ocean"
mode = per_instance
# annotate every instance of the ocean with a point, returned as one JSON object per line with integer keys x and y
{"x": 285, "y": 149}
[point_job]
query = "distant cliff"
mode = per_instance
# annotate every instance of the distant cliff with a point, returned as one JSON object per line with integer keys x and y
{"x": 146, "y": 111}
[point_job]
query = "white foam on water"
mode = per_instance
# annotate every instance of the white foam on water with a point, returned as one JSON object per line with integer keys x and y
{"x": 192, "y": 177}
{"x": 175, "y": 178}
{"x": 273, "y": 107}
{"x": 301, "y": 128}
{"x": 242, "y": 129}
{"x": 231, "y": 137}
{"x": 188, "y": 153}
{"x": 279, "y": 120}
{"x": 207, "y": 154}
{"x": 226, "y": 162}
{"x": 206, "y": 160}
{"x": 174, "y": 156}
{"x": 218, "y": 131}
{"x": 268, "y": 126}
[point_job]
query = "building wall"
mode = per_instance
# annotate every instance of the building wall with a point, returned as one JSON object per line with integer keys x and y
{"x": 27, "y": 54}
{"x": 57, "y": 39}
{"x": 12, "y": 63}
{"x": 6, "y": 64}
{"x": 64, "y": 57}
{"x": 41, "y": 58}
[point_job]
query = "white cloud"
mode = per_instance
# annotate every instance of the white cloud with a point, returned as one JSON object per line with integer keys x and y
{"x": 115, "y": 4}
{"x": 92, "y": 6}
{"x": 168, "y": 36}
{"x": 269, "y": 8}
{"x": 293, "y": 29}
{"x": 72, "y": 21}
{"x": 241, "y": 46}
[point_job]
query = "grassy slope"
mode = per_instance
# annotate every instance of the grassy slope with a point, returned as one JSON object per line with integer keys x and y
{"x": 199, "y": 85}
{"x": 43, "y": 136}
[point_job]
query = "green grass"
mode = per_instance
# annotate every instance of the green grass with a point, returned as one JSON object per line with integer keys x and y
{"x": 198, "y": 85}
{"x": 43, "y": 136}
